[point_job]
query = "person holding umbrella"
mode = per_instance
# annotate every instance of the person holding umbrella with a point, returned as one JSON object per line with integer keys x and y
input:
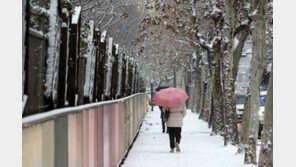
{"x": 161, "y": 109}
{"x": 173, "y": 99}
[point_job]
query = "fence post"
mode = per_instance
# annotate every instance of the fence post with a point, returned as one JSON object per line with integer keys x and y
{"x": 137, "y": 79}
{"x": 130, "y": 78}
{"x": 90, "y": 65}
{"x": 73, "y": 54}
{"x": 115, "y": 76}
{"x": 108, "y": 71}
{"x": 123, "y": 76}
{"x": 63, "y": 59}
{"x": 119, "y": 71}
{"x": 80, "y": 81}
{"x": 96, "y": 75}
{"x": 133, "y": 77}
{"x": 80, "y": 75}
{"x": 101, "y": 64}
{"x": 126, "y": 76}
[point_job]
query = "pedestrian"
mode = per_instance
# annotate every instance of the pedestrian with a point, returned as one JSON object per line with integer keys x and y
{"x": 161, "y": 109}
{"x": 162, "y": 119}
{"x": 174, "y": 126}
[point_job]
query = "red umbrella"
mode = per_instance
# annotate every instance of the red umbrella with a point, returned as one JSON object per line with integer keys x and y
{"x": 170, "y": 97}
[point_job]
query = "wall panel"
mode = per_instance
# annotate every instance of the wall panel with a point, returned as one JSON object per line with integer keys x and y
{"x": 98, "y": 136}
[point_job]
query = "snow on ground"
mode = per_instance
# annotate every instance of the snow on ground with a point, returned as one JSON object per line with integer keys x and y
{"x": 198, "y": 148}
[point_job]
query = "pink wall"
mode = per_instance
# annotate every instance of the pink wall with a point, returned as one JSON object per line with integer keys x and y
{"x": 97, "y": 137}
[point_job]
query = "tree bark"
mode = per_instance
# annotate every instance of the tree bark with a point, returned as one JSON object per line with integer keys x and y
{"x": 231, "y": 133}
{"x": 237, "y": 53}
{"x": 208, "y": 92}
{"x": 218, "y": 117}
{"x": 192, "y": 103}
{"x": 204, "y": 83}
{"x": 245, "y": 123}
{"x": 258, "y": 64}
{"x": 188, "y": 85}
{"x": 266, "y": 152}
{"x": 198, "y": 85}
{"x": 175, "y": 80}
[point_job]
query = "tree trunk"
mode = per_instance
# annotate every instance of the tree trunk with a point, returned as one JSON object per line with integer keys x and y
{"x": 194, "y": 87}
{"x": 218, "y": 117}
{"x": 245, "y": 123}
{"x": 188, "y": 85}
{"x": 204, "y": 83}
{"x": 198, "y": 85}
{"x": 203, "y": 96}
{"x": 208, "y": 96}
{"x": 237, "y": 52}
{"x": 266, "y": 152}
{"x": 231, "y": 133}
{"x": 258, "y": 64}
{"x": 175, "y": 79}
{"x": 151, "y": 90}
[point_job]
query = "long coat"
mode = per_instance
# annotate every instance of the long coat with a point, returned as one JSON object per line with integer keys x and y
{"x": 176, "y": 116}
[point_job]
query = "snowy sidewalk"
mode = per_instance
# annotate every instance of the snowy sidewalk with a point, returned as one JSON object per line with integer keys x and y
{"x": 198, "y": 148}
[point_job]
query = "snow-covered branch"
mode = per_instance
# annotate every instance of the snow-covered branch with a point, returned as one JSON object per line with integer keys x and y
{"x": 243, "y": 25}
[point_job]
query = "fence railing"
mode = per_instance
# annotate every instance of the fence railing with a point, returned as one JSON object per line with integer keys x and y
{"x": 91, "y": 135}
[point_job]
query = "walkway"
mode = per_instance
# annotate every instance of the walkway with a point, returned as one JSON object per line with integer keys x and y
{"x": 198, "y": 148}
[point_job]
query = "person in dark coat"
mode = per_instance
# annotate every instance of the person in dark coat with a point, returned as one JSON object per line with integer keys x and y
{"x": 162, "y": 119}
{"x": 161, "y": 109}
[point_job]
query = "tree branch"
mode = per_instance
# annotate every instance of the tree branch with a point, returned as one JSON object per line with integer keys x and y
{"x": 242, "y": 26}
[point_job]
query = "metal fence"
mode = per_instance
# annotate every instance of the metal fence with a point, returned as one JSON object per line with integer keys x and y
{"x": 70, "y": 62}
{"x": 92, "y": 135}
